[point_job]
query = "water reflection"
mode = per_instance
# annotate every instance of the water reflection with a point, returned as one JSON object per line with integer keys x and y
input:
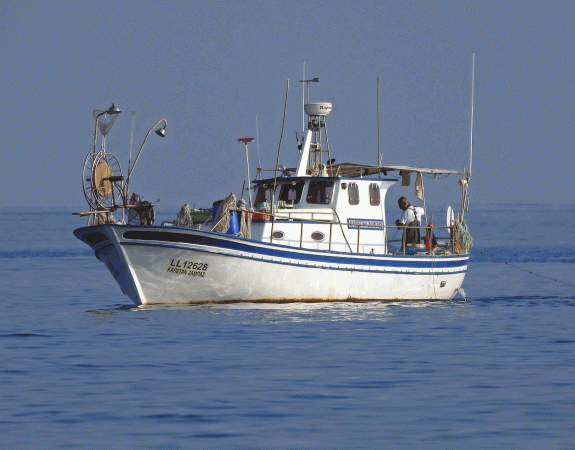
{"x": 289, "y": 312}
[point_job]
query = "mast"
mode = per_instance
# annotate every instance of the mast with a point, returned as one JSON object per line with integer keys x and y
{"x": 305, "y": 83}
{"x": 303, "y": 99}
{"x": 465, "y": 182}
{"x": 378, "y": 148}
{"x": 311, "y": 161}
{"x": 472, "y": 100}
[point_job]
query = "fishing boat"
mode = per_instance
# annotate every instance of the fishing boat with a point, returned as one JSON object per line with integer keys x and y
{"x": 317, "y": 232}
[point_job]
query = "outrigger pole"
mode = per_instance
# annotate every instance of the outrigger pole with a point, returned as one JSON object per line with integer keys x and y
{"x": 465, "y": 182}
{"x": 472, "y": 99}
{"x": 303, "y": 99}
{"x": 278, "y": 161}
{"x": 378, "y": 148}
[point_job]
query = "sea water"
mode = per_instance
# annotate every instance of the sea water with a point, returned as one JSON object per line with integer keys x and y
{"x": 82, "y": 367}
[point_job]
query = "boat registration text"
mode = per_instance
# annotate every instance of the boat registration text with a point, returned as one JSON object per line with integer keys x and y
{"x": 190, "y": 268}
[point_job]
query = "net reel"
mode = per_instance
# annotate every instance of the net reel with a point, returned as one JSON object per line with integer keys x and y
{"x": 102, "y": 180}
{"x": 102, "y": 175}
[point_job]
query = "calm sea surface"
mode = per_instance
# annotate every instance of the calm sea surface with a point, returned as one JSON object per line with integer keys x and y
{"x": 82, "y": 367}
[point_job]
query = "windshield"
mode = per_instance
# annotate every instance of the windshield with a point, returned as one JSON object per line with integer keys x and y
{"x": 291, "y": 192}
{"x": 320, "y": 192}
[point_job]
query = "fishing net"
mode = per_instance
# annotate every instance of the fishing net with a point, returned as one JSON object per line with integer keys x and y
{"x": 184, "y": 218}
{"x": 223, "y": 217}
{"x": 462, "y": 240}
{"x": 245, "y": 220}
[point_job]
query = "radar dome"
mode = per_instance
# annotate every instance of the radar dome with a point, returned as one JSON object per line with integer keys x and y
{"x": 317, "y": 109}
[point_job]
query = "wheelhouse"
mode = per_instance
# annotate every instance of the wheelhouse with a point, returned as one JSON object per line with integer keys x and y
{"x": 330, "y": 213}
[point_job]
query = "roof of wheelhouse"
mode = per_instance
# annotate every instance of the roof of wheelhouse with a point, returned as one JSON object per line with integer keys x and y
{"x": 289, "y": 179}
{"x": 349, "y": 170}
{"x": 362, "y": 170}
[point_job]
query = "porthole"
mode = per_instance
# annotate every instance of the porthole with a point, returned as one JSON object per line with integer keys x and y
{"x": 318, "y": 236}
{"x": 278, "y": 234}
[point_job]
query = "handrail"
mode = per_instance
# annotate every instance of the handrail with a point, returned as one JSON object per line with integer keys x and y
{"x": 280, "y": 216}
{"x": 342, "y": 232}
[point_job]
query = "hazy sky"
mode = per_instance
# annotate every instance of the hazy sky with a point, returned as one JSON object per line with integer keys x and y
{"x": 211, "y": 67}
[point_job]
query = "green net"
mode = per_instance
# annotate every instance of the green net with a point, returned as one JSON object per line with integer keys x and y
{"x": 462, "y": 240}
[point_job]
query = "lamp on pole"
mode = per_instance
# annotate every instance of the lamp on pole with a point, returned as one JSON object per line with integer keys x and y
{"x": 111, "y": 111}
{"x": 245, "y": 140}
{"x": 160, "y": 132}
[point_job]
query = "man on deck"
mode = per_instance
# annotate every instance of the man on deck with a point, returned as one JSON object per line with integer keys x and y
{"x": 411, "y": 217}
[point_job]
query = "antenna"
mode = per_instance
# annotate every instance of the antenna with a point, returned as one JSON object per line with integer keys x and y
{"x": 378, "y": 150}
{"x": 279, "y": 149}
{"x": 131, "y": 140}
{"x": 129, "y": 162}
{"x": 472, "y": 99}
{"x": 303, "y": 100}
{"x": 258, "y": 140}
{"x": 245, "y": 140}
{"x": 305, "y": 83}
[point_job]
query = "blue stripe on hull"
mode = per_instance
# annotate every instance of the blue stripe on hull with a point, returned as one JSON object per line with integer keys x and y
{"x": 175, "y": 237}
{"x": 380, "y": 269}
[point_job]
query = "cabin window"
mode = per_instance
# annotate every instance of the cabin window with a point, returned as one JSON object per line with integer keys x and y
{"x": 291, "y": 192}
{"x": 278, "y": 234}
{"x": 353, "y": 194}
{"x": 264, "y": 195}
{"x": 320, "y": 192}
{"x": 374, "y": 197}
{"x": 318, "y": 236}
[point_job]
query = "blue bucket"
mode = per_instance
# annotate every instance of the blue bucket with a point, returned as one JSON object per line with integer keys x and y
{"x": 234, "y": 224}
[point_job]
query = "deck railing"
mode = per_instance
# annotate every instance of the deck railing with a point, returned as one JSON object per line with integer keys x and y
{"x": 447, "y": 243}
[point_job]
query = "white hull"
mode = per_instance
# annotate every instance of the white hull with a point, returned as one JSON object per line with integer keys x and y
{"x": 168, "y": 265}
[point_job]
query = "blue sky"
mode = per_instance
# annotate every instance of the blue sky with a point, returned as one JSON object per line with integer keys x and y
{"x": 210, "y": 67}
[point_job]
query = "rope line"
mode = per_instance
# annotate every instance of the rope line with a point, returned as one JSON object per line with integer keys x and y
{"x": 539, "y": 275}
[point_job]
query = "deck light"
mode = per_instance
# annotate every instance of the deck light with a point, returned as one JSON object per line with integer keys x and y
{"x": 112, "y": 110}
{"x": 162, "y": 131}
